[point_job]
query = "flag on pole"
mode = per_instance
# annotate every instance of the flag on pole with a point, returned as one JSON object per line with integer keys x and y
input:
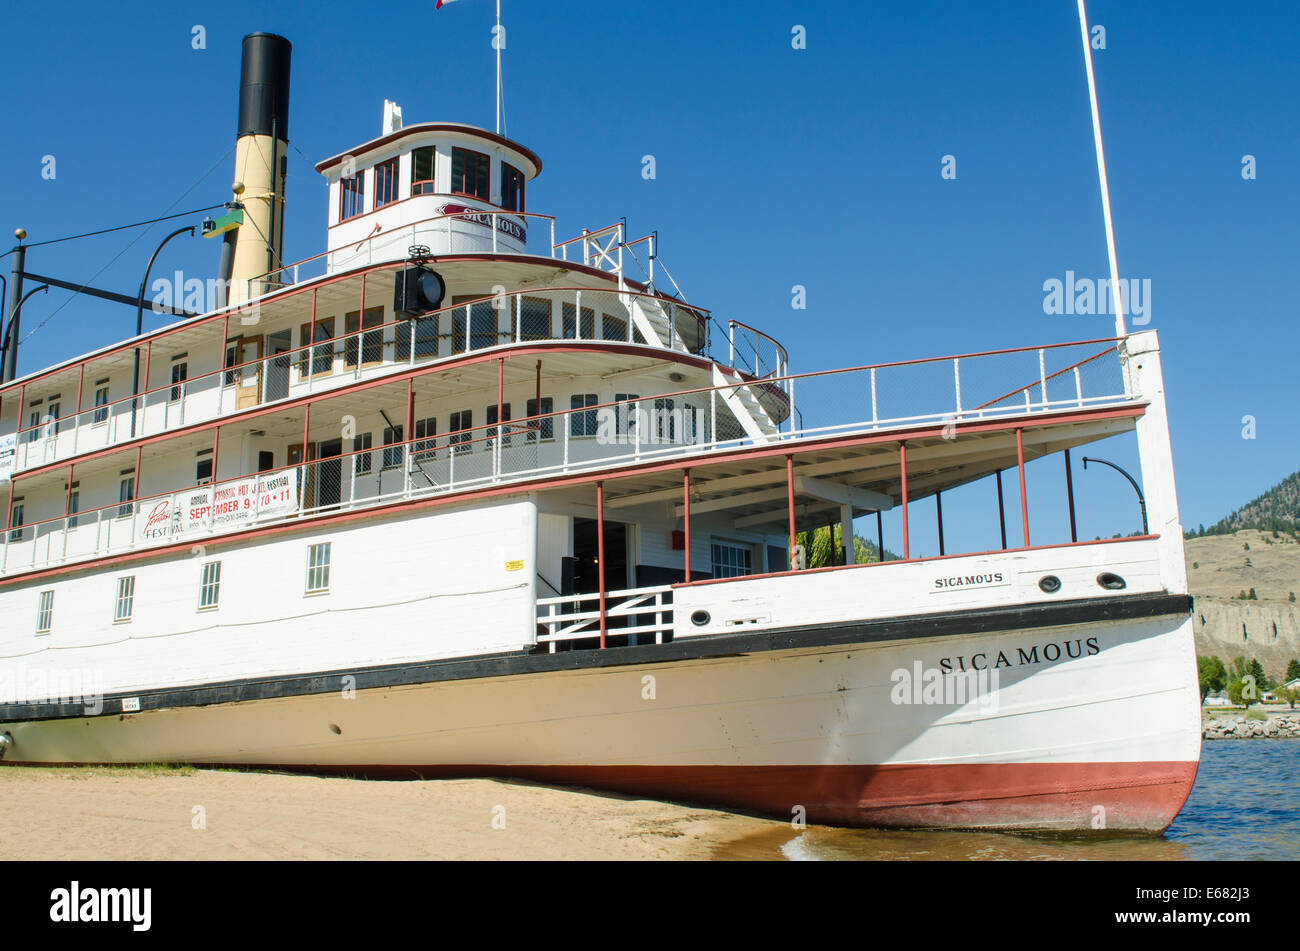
{"x": 438, "y": 5}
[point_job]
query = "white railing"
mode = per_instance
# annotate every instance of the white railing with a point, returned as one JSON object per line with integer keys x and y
{"x": 646, "y": 611}
{"x": 689, "y": 423}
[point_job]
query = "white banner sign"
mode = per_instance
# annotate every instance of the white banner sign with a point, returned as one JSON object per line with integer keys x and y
{"x": 8, "y": 453}
{"x": 236, "y": 504}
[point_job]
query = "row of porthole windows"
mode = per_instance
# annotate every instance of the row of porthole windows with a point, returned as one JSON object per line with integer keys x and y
{"x": 318, "y": 582}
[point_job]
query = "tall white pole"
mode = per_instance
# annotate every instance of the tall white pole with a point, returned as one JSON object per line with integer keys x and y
{"x": 1115, "y": 292}
{"x": 497, "y": 44}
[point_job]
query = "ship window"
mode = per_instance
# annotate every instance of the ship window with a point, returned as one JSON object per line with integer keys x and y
{"x": 363, "y": 461}
{"x": 322, "y": 355}
{"x": 371, "y": 344}
{"x": 125, "y": 598}
{"x": 392, "y": 452}
{"x": 45, "y": 612}
{"x": 210, "y": 585}
{"x": 582, "y": 424}
{"x": 422, "y": 171}
{"x": 180, "y": 370}
{"x": 352, "y": 196}
{"x": 16, "y": 521}
{"x": 203, "y": 470}
{"x": 470, "y": 174}
{"x": 426, "y": 336}
{"x": 545, "y": 426}
{"x": 52, "y": 417}
{"x": 731, "y": 560}
{"x": 512, "y": 188}
{"x": 458, "y": 426}
{"x": 232, "y": 359}
{"x": 505, "y": 418}
{"x": 425, "y": 430}
{"x": 665, "y": 420}
{"x": 571, "y": 329}
{"x": 318, "y": 567}
{"x": 126, "y": 495}
{"x": 265, "y": 460}
{"x": 385, "y": 183}
{"x": 625, "y": 416}
{"x": 613, "y": 328}
{"x": 101, "y": 402}
{"x": 74, "y": 504}
{"x": 481, "y": 319}
{"x": 34, "y": 423}
{"x": 536, "y": 314}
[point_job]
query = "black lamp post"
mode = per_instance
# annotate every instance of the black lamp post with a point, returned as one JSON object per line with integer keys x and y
{"x": 1133, "y": 482}
{"x": 9, "y": 327}
{"x": 139, "y": 318}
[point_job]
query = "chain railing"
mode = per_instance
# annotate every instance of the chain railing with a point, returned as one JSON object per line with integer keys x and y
{"x": 589, "y": 437}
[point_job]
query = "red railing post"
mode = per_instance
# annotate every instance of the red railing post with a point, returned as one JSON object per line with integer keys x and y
{"x": 789, "y": 497}
{"x": 902, "y": 466}
{"x": 686, "y": 513}
{"x": 1020, "y": 464}
{"x": 600, "y": 554}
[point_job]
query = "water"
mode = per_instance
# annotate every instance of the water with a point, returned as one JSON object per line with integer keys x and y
{"x": 1245, "y": 805}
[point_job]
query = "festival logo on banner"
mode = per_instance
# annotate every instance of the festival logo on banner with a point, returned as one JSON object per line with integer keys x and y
{"x": 235, "y": 504}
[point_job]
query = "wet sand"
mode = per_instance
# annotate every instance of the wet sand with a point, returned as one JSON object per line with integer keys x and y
{"x": 125, "y": 813}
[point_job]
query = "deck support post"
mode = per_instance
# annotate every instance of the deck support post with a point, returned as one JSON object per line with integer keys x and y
{"x": 1002, "y": 513}
{"x": 686, "y": 516}
{"x": 880, "y": 537}
{"x": 789, "y": 495}
{"x": 408, "y": 437}
{"x": 302, "y": 452}
{"x": 938, "y": 514}
{"x": 600, "y": 554}
{"x": 1024, "y": 501}
{"x": 76, "y": 419}
{"x": 846, "y": 533}
{"x": 902, "y": 469}
{"x": 1069, "y": 494}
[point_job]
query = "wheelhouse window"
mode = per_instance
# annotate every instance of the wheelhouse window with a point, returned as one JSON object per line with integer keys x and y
{"x": 582, "y": 424}
{"x": 471, "y": 174}
{"x": 125, "y": 598}
{"x": 210, "y": 585}
{"x": 613, "y": 328}
{"x": 512, "y": 188}
{"x": 352, "y": 196}
{"x": 45, "y": 612}
{"x": 422, "y": 182}
{"x": 16, "y": 521}
{"x": 545, "y": 427}
{"x": 101, "y": 403}
{"x": 731, "y": 560}
{"x": 318, "y": 568}
{"x": 385, "y": 183}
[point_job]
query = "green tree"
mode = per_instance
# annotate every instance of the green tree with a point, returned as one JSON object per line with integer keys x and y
{"x": 1292, "y": 670}
{"x": 1289, "y": 695}
{"x": 1213, "y": 675}
{"x": 1261, "y": 678}
{"x": 824, "y": 546}
{"x": 1252, "y": 596}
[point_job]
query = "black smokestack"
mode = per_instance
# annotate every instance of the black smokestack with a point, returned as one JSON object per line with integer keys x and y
{"x": 264, "y": 86}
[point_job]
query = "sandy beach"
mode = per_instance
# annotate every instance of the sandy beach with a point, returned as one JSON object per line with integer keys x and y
{"x": 180, "y": 813}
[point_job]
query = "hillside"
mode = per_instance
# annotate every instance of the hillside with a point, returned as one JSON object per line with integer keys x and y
{"x": 1278, "y": 509}
{"x": 1222, "y": 567}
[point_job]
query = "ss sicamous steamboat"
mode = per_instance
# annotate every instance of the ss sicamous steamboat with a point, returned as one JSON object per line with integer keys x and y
{"x": 462, "y": 497}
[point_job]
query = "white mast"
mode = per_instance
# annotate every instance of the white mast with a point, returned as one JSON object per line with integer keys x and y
{"x": 496, "y": 41}
{"x": 1115, "y": 292}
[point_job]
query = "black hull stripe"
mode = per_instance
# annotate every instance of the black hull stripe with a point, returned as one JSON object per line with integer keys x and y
{"x": 950, "y": 624}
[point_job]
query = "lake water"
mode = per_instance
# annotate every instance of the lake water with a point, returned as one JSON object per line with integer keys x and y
{"x": 1245, "y": 805}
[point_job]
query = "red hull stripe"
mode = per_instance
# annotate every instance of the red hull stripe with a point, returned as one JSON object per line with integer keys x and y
{"x": 1143, "y": 796}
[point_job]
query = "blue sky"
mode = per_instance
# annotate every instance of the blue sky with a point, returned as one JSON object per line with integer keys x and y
{"x": 775, "y": 167}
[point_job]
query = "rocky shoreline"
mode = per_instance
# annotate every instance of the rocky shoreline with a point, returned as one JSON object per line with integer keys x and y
{"x": 1277, "y": 726}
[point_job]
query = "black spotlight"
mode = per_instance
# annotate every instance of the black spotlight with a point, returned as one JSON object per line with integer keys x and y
{"x": 417, "y": 291}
